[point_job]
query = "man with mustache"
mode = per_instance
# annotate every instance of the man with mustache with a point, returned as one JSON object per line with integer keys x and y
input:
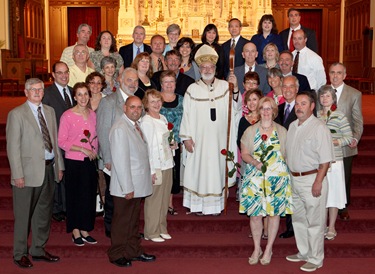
{"x": 308, "y": 156}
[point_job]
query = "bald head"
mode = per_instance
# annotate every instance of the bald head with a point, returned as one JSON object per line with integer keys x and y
{"x": 249, "y": 53}
{"x": 133, "y": 108}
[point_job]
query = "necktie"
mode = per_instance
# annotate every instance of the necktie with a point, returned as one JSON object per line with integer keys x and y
{"x": 138, "y": 129}
{"x": 160, "y": 65}
{"x": 233, "y": 44}
{"x": 45, "y": 132}
{"x": 138, "y": 50}
{"x": 296, "y": 60}
{"x": 66, "y": 98}
{"x": 291, "y": 46}
{"x": 287, "y": 112}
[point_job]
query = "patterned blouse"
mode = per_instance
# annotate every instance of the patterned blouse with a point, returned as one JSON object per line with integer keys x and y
{"x": 173, "y": 112}
{"x": 97, "y": 56}
{"x": 340, "y": 130}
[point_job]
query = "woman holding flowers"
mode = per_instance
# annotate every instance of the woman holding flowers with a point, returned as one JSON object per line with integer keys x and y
{"x": 341, "y": 136}
{"x": 156, "y": 134}
{"x": 266, "y": 187}
{"x": 77, "y": 137}
{"x": 172, "y": 110}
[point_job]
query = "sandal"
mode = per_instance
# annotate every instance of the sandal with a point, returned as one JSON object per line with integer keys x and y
{"x": 264, "y": 237}
{"x": 172, "y": 211}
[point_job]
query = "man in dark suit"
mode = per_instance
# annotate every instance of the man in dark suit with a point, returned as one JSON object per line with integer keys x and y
{"x": 173, "y": 61}
{"x": 250, "y": 53}
{"x": 349, "y": 101}
{"x": 234, "y": 28}
{"x": 285, "y": 117}
{"x": 109, "y": 111}
{"x": 59, "y": 97}
{"x": 130, "y": 182}
{"x": 35, "y": 160}
{"x": 286, "y": 66}
{"x": 294, "y": 22}
{"x": 128, "y": 52}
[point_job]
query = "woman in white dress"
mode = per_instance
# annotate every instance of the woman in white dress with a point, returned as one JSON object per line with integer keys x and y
{"x": 341, "y": 136}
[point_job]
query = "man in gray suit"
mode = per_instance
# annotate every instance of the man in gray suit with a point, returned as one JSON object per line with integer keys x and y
{"x": 31, "y": 134}
{"x": 130, "y": 182}
{"x": 250, "y": 53}
{"x": 59, "y": 97}
{"x": 109, "y": 111}
{"x": 349, "y": 101}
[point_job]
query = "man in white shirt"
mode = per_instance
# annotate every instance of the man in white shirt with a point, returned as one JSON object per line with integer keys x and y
{"x": 83, "y": 36}
{"x": 307, "y": 62}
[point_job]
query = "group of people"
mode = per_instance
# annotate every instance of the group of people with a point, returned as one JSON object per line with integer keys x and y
{"x": 144, "y": 121}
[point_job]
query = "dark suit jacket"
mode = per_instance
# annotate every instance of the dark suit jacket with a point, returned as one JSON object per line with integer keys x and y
{"x": 182, "y": 83}
{"x": 262, "y": 72}
{"x": 280, "y": 117}
{"x": 238, "y": 59}
{"x": 303, "y": 82}
{"x": 126, "y": 53}
{"x": 311, "y": 43}
{"x": 53, "y": 98}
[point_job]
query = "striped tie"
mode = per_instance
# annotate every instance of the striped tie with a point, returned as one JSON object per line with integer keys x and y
{"x": 45, "y": 132}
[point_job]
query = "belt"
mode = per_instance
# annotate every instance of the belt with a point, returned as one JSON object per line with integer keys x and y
{"x": 48, "y": 162}
{"x": 297, "y": 174}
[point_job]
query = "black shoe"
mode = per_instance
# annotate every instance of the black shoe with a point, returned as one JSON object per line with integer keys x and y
{"x": 144, "y": 258}
{"x": 287, "y": 234}
{"x": 108, "y": 234}
{"x": 58, "y": 217}
{"x": 78, "y": 241}
{"x": 142, "y": 235}
{"x": 89, "y": 239}
{"x": 24, "y": 262}
{"x": 47, "y": 257}
{"x": 122, "y": 262}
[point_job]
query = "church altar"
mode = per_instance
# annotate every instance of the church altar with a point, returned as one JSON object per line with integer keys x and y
{"x": 191, "y": 15}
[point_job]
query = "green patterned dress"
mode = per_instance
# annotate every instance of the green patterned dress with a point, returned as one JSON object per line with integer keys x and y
{"x": 270, "y": 194}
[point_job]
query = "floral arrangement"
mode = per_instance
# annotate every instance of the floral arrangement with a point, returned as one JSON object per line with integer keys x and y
{"x": 230, "y": 158}
{"x": 171, "y": 135}
{"x": 329, "y": 112}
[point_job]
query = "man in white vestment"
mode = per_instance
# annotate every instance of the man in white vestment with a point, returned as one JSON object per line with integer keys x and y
{"x": 204, "y": 133}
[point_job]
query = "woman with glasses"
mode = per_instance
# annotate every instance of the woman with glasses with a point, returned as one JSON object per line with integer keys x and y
{"x": 265, "y": 187}
{"x": 96, "y": 83}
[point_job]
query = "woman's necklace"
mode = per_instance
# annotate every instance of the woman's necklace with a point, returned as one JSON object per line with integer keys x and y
{"x": 265, "y": 128}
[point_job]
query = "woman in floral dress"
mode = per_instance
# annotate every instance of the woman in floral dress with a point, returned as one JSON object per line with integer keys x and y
{"x": 266, "y": 187}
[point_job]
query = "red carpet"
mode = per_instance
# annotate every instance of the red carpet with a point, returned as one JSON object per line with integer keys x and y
{"x": 209, "y": 244}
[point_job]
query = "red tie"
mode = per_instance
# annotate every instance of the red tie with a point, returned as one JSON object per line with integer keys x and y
{"x": 291, "y": 46}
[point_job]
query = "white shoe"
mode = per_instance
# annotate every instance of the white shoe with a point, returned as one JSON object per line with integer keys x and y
{"x": 295, "y": 258}
{"x": 166, "y": 236}
{"x": 309, "y": 267}
{"x": 156, "y": 240}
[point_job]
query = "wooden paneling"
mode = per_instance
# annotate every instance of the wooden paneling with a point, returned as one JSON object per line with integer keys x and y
{"x": 59, "y": 17}
{"x": 357, "y": 45}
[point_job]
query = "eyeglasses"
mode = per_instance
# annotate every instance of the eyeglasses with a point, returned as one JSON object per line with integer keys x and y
{"x": 95, "y": 83}
{"x": 36, "y": 89}
{"x": 265, "y": 109}
{"x": 251, "y": 83}
{"x": 82, "y": 52}
{"x": 62, "y": 72}
{"x": 207, "y": 67}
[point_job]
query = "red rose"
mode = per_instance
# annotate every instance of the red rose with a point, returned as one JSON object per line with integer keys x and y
{"x": 114, "y": 89}
{"x": 170, "y": 126}
{"x": 333, "y": 107}
{"x": 182, "y": 70}
{"x": 86, "y": 132}
{"x": 264, "y": 137}
{"x": 224, "y": 151}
